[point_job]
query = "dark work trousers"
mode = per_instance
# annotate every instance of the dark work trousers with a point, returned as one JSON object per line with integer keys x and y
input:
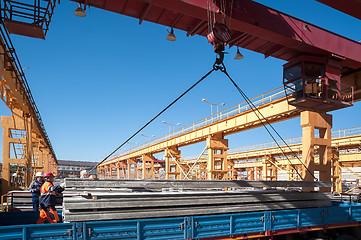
{"x": 35, "y": 203}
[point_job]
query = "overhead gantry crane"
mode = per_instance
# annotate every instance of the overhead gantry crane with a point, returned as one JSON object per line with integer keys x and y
{"x": 325, "y": 65}
{"x": 321, "y": 67}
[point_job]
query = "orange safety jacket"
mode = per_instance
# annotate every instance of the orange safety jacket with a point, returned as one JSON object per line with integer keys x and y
{"x": 48, "y": 194}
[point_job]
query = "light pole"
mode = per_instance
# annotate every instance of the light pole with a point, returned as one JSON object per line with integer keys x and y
{"x": 169, "y": 125}
{"x": 133, "y": 144}
{"x": 147, "y": 136}
{"x": 213, "y": 104}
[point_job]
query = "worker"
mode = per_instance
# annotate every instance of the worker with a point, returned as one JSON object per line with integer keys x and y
{"x": 48, "y": 200}
{"x": 84, "y": 173}
{"x": 35, "y": 190}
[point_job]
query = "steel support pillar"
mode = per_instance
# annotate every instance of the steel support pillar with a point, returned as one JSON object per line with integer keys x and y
{"x": 157, "y": 171}
{"x": 100, "y": 172}
{"x": 123, "y": 170}
{"x": 28, "y": 150}
{"x": 217, "y": 163}
{"x": 148, "y": 166}
{"x": 269, "y": 169}
{"x": 336, "y": 172}
{"x": 113, "y": 170}
{"x": 316, "y": 150}
{"x": 173, "y": 168}
{"x": 132, "y": 169}
{"x": 6, "y": 175}
{"x": 250, "y": 174}
{"x": 292, "y": 172}
{"x": 47, "y": 164}
{"x": 20, "y": 144}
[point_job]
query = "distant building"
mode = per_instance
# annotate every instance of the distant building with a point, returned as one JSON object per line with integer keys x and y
{"x": 71, "y": 169}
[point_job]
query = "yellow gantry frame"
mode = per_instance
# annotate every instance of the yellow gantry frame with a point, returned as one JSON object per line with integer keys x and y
{"x": 237, "y": 119}
{"x": 36, "y": 152}
{"x": 214, "y": 168}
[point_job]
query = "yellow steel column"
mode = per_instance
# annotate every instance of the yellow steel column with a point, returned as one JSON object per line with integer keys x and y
{"x": 321, "y": 145}
{"x": 157, "y": 166}
{"x": 264, "y": 169}
{"x": 251, "y": 174}
{"x": 231, "y": 175}
{"x": 100, "y": 172}
{"x": 148, "y": 166}
{"x": 217, "y": 163}
{"x": 39, "y": 163}
{"x": 6, "y": 155}
{"x": 123, "y": 170}
{"x": 269, "y": 170}
{"x": 46, "y": 154}
{"x": 54, "y": 164}
{"x": 172, "y": 166}
{"x": 117, "y": 167}
{"x": 167, "y": 164}
{"x": 336, "y": 172}
{"x": 111, "y": 170}
{"x": 132, "y": 165}
{"x": 20, "y": 161}
{"x": 258, "y": 173}
{"x": 28, "y": 149}
{"x": 128, "y": 168}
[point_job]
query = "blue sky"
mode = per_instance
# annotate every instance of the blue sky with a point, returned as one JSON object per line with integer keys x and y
{"x": 98, "y": 79}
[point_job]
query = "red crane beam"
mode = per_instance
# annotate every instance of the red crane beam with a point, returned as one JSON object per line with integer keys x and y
{"x": 253, "y": 26}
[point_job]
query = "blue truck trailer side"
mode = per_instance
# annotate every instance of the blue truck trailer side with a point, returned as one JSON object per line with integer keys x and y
{"x": 264, "y": 224}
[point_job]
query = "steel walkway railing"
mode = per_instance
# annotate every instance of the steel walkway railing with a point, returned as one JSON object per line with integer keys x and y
{"x": 265, "y": 98}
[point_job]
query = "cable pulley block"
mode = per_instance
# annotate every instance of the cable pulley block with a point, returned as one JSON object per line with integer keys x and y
{"x": 219, "y": 36}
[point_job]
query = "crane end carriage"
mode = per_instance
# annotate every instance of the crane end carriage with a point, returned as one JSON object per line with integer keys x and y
{"x": 314, "y": 83}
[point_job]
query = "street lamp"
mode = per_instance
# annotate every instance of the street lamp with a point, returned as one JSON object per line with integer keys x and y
{"x": 147, "y": 136}
{"x": 169, "y": 125}
{"x": 213, "y": 104}
{"x": 133, "y": 144}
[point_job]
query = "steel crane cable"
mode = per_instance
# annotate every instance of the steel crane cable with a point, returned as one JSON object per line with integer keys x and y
{"x": 255, "y": 110}
{"x": 156, "y": 116}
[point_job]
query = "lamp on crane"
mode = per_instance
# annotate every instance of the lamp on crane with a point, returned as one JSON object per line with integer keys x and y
{"x": 238, "y": 55}
{"x": 79, "y": 11}
{"x": 171, "y": 36}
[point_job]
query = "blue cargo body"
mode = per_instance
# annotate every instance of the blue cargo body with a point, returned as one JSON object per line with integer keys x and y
{"x": 264, "y": 223}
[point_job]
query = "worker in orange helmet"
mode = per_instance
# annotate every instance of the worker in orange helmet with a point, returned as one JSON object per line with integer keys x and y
{"x": 48, "y": 200}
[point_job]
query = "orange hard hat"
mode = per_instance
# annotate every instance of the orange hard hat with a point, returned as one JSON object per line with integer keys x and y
{"x": 48, "y": 174}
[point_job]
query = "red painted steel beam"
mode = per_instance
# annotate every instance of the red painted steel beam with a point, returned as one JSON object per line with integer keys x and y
{"x": 253, "y": 26}
{"x": 350, "y": 7}
{"x": 292, "y": 33}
